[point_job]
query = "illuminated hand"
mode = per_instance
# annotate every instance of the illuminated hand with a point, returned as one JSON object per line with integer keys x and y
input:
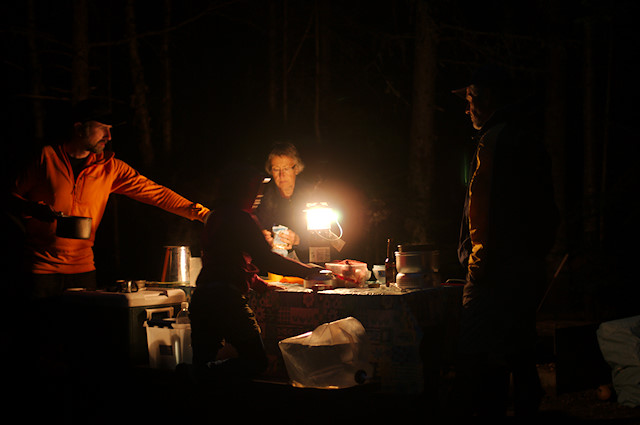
{"x": 268, "y": 237}
{"x": 290, "y": 238}
{"x": 260, "y": 286}
{"x": 319, "y": 273}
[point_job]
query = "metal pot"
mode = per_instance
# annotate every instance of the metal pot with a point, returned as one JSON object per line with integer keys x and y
{"x": 73, "y": 227}
{"x": 417, "y": 259}
{"x": 411, "y": 262}
{"x": 177, "y": 267}
{"x": 418, "y": 266}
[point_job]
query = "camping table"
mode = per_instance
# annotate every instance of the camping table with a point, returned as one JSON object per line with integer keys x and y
{"x": 412, "y": 332}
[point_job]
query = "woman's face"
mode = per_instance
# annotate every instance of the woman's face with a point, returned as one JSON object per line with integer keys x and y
{"x": 284, "y": 172}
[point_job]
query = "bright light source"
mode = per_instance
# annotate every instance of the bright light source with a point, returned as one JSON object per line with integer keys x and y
{"x": 320, "y": 216}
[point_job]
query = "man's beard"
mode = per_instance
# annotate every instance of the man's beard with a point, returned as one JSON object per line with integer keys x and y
{"x": 97, "y": 147}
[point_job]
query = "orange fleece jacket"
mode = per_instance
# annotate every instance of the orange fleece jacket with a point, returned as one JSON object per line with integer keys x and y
{"x": 50, "y": 180}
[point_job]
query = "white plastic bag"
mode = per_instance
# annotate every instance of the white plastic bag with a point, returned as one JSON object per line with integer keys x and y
{"x": 334, "y": 355}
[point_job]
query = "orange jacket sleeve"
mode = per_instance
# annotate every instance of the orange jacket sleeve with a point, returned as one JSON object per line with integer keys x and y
{"x": 131, "y": 183}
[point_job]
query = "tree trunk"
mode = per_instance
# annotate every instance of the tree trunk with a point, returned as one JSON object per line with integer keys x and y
{"x": 167, "y": 99}
{"x": 322, "y": 46}
{"x": 139, "y": 100}
{"x": 605, "y": 136}
{"x": 285, "y": 60}
{"x": 318, "y": 78}
{"x": 273, "y": 67}
{"x": 36, "y": 73}
{"x": 556, "y": 133}
{"x": 590, "y": 188}
{"x": 422, "y": 138}
{"x": 80, "y": 62}
{"x": 325, "y": 46}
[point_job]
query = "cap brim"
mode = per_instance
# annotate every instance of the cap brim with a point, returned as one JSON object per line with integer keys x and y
{"x": 93, "y": 110}
{"x": 461, "y": 93}
{"x": 103, "y": 119}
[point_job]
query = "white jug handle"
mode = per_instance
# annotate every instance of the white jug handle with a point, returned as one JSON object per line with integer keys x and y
{"x": 151, "y": 311}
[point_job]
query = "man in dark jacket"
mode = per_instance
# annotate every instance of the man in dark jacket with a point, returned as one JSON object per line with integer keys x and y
{"x": 508, "y": 227}
{"x": 233, "y": 253}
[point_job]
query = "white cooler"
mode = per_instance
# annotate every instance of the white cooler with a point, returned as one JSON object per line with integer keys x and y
{"x": 109, "y": 326}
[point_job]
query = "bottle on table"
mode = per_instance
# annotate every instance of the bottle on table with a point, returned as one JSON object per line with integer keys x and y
{"x": 390, "y": 263}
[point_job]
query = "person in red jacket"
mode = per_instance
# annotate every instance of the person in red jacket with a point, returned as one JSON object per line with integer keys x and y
{"x": 76, "y": 178}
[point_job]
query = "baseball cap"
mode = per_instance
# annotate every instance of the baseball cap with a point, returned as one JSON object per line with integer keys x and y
{"x": 92, "y": 110}
{"x": 490, "y": 75}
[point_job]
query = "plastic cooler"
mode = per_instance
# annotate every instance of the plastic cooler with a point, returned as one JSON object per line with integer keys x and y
{"x": 169, "y": 343}
{"x": 109, "y": 326}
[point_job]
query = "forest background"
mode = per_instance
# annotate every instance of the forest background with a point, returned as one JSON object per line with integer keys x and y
{"x": 364, "y": 90}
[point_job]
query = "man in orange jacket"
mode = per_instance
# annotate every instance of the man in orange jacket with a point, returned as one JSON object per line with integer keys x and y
{"x": 76, "y": 178}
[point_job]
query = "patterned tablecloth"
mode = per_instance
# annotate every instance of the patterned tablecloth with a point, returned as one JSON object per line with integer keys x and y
{"x": 407, "y": 330}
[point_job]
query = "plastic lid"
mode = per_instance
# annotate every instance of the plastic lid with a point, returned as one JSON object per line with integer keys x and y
{"x": 416, "y": 247}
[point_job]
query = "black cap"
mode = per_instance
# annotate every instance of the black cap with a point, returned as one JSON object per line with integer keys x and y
{"x": 238, "y": 180}
{"x": 491, "y": 76}
{"x": 92, "y": 110}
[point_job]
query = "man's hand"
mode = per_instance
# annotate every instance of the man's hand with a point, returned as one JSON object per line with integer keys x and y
{"x": 42, "y": 212}
{"x": 260, "y": 286}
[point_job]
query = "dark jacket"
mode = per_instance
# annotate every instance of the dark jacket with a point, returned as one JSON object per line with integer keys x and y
{"x": 235, "y": 251}
{"x": 509, "y": 209}
{"x": 276, "y": 210}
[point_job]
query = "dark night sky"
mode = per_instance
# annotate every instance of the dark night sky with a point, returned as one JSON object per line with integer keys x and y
{"x": 220, "y": 82}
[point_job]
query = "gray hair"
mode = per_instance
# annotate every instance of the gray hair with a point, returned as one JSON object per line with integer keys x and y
{"x": 284, "y": 149}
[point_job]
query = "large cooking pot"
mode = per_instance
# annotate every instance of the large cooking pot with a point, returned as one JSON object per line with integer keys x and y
{"x": 73, "y": 227}
{"x": 411, "y": 258}
{"x": 417, "y": 266}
